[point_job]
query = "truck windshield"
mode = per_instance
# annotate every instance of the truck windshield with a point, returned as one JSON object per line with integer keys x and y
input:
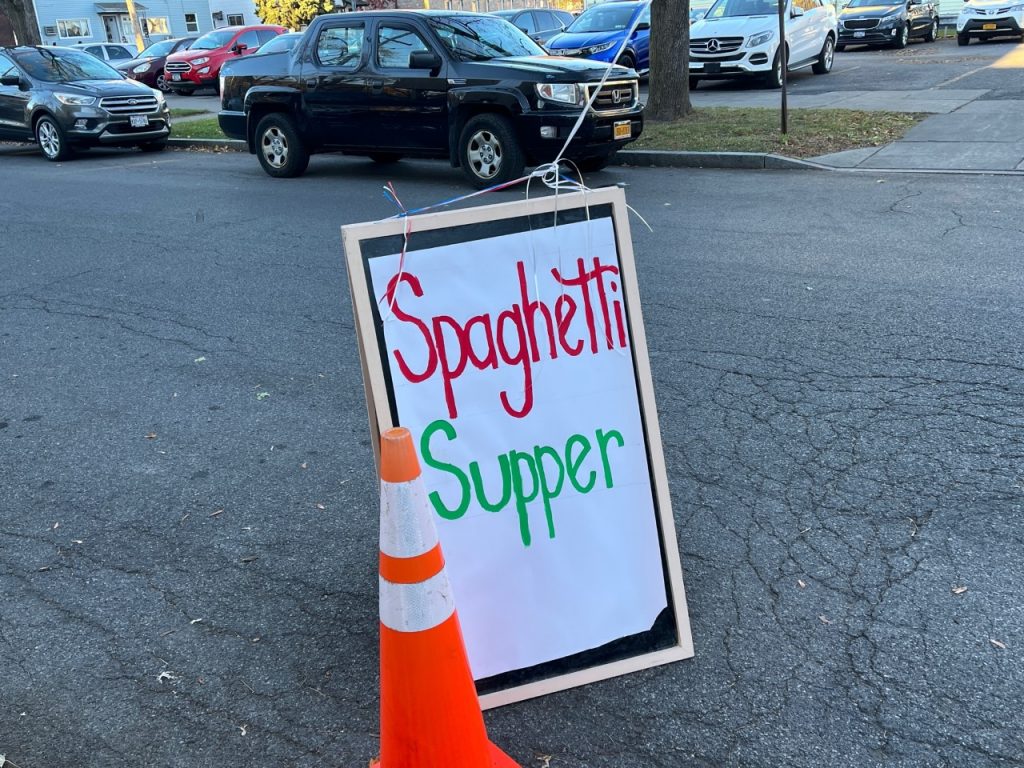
{"x": 610, "y": 17}
{"x": 724, "y": 8}
{"x": 479, "y": 38}
{"x": 64, "y": 65}
{"x": 212, "y": 40}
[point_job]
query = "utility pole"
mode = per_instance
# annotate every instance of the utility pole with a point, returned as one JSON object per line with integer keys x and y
{"x": 783, "y": 63}
{"x": 135, "y": 25}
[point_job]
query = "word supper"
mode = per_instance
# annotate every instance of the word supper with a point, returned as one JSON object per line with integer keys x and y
{"x": 510, "y": 339}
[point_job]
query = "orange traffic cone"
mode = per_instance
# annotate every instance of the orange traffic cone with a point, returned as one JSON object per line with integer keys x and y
{"x": 429, "y": 713}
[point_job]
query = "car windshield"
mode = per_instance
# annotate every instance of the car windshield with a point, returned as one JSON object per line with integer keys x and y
{"x": 64, "y": 65}
{"x": 724, "y": 8}
{"x": 610, "y": 17}
{"x": 211, "y": 40}
{"x": 158, "y": 50}
{"x": 867, "y": 3}
{"x": 281, "y": 43}
{"x": 480, "y": 38}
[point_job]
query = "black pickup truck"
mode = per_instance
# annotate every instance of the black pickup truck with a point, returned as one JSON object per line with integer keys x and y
{"x": 466, "y": 87}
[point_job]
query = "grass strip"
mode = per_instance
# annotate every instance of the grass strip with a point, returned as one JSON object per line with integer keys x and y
{"x": 187, "y": 112}
{"x": 204, "y": 128}
{"x": 812, "y": 132}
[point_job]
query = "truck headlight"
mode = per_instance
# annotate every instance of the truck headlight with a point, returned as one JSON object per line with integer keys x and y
{"x": 74, "y": 99}
{"x": 760, "y": 39}
{"x": 141, "y": 68}
{"x": 200, "y": 60}
{"x": 563, "y": 93}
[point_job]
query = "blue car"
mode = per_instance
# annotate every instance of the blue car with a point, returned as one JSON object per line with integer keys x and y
{"x": 599, "y": 32}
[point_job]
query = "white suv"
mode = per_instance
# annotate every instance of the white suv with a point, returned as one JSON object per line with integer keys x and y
{"x": 739, "y": 38}
{"x": 984, "y": 19}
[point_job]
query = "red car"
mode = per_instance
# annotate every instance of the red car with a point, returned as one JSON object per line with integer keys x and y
{"x": 148, "y": 66}
{"x": 199, "y": 66}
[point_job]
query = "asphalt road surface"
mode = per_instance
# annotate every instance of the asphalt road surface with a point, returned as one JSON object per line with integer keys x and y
{"x": 188, "y": 565}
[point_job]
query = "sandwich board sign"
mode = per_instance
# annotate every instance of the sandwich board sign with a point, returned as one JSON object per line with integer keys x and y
{"x": 509, "y": 340}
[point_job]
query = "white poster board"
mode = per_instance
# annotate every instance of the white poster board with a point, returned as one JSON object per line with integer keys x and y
{"x": 509, "y": 340}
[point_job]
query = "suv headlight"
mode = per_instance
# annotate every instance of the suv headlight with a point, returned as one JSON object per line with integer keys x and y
{"x": 141, "y": 68}
{"x": 1017, "y": 8}
{"x": 598, "y": 48}
{"x": 159, "y": 97}
{"x": 890, "y": 20}
{"x": 760, "y": 39}
{"x": 74, "y": 99}
{"x": 200, "y": 60}
{"x": 563, "y": 93}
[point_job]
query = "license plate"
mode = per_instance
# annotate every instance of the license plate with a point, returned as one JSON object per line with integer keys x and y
{"x": 988, "y": 26}
{"x": 712, "y": 66}
{"x": 139, "y": 121}
{"x": 622, "y": 129}
{"x": 858, "y": 34}
{"x": 175, "y": 77}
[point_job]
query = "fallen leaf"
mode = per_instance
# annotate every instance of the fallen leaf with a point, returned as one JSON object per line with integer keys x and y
{"x": 959, "y": 590}
{"x": 44, "y": 568}
{"x": 243, "y": 728}
{"x": 216, "y": 512}
{"x": 199, "y": 360}
{"x": 320, "y": 506}
{"x": 999, "y": 645}
{"x": 823, "y": 620}
{"x": 165, "y": 675}
{"x": 195, "y": 621}
{"x": 303, "y": 465}
{"x": 262, "y": 395}
{"x": 55, "y": 526}
{"x": 801, "y": 583}
{"x": 151, "y": 436}
{"x": 73, "y": 541}
{"x": 250, "y": 558}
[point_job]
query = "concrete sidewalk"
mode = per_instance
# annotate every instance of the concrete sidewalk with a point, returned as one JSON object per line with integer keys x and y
{"x": 978, "y": 136}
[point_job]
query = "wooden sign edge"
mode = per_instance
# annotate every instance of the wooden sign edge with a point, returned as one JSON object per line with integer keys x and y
{"x": 379, "y": 413}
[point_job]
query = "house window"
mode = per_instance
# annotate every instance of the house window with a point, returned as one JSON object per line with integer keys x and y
{"x": 157, "y": 25}
{"x": 191, "y": 22}
{"x": 236, "y": 20}
{"x": 68, "y": 28}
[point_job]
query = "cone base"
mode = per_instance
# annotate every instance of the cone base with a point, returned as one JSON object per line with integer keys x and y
{"x": 498, "y": 759}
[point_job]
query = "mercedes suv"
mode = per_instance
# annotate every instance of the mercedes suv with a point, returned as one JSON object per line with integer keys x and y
{"x": 62, "y": 98}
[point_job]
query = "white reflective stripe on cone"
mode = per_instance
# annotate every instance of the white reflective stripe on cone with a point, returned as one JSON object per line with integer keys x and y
{"x": 406, "y": 527}
{"x": 416, "y": 607}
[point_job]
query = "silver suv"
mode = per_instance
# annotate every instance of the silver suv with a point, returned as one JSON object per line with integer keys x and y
{"x": 61, "y": 98}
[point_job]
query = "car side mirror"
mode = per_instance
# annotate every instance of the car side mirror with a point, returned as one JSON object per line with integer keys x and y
{"x": 10, "y": 80}
{"x": 239, "y": 48}
{"x": 796, "y": 12}
{"x": 642, "y": 26}
{"x": 425, "y": 60}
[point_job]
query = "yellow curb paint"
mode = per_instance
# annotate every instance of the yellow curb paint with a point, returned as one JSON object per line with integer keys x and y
{"x": 1013, "y": 60}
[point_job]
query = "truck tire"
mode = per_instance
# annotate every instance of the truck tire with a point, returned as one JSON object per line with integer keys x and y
{"x": 280, "y": 148}
{"x": 489, "y": 151}
{"x": 52, "y": 140}
{"x": 933, "y": 31}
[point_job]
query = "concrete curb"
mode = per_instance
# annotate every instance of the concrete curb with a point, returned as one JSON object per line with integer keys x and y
{"x": 223, "y": 144}
{"x": 741, "y": 160}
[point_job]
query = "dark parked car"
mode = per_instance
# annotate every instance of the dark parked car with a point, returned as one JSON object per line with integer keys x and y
{"x": 470, "y": 88}
{"x": 541, "y": 24}
{"x": 148, "y": 66}
{"x": 62, "y": 98}
{"x": 884, "y": 22}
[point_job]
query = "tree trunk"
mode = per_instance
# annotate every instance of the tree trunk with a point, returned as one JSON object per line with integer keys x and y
{"x": 669, "y": 83}
{"x": 23, "y": 19}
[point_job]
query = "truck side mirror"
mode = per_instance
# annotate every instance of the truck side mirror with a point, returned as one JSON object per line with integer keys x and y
{"x": 10, "y": 80}
{"x": 425, "y": 60}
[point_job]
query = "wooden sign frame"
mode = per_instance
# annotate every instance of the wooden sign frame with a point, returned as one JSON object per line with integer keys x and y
{"x": 553, "y": 676}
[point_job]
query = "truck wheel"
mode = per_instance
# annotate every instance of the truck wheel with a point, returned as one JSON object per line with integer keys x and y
{"x": 385, "y": 158}
{"x": 824, "y": 63}
{"x": 51, "y": 139}
{"x": 279, "y": 147}
{"x": 489, "y": 151}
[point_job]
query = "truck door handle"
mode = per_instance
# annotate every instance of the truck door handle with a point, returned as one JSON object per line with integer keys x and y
{"x": 377, "y": 88}
{"x": 312, "y": 82}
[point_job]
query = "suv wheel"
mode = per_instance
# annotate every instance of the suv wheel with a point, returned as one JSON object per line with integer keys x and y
{"x": 489, "y": 152}
{"x": 279, "y": 147}
{"x": 902, "y": 37}
{"x": 626, "y": 60}
{"x": 824, "y": 63}
{"x": 933, "y": 32}
{"x": 962, "y": 39}
{"x": 773, "y": 79}
{"x": 51, "y": 139}
{"x": 161, "y": 83}
{"x": 694, "y": 82}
